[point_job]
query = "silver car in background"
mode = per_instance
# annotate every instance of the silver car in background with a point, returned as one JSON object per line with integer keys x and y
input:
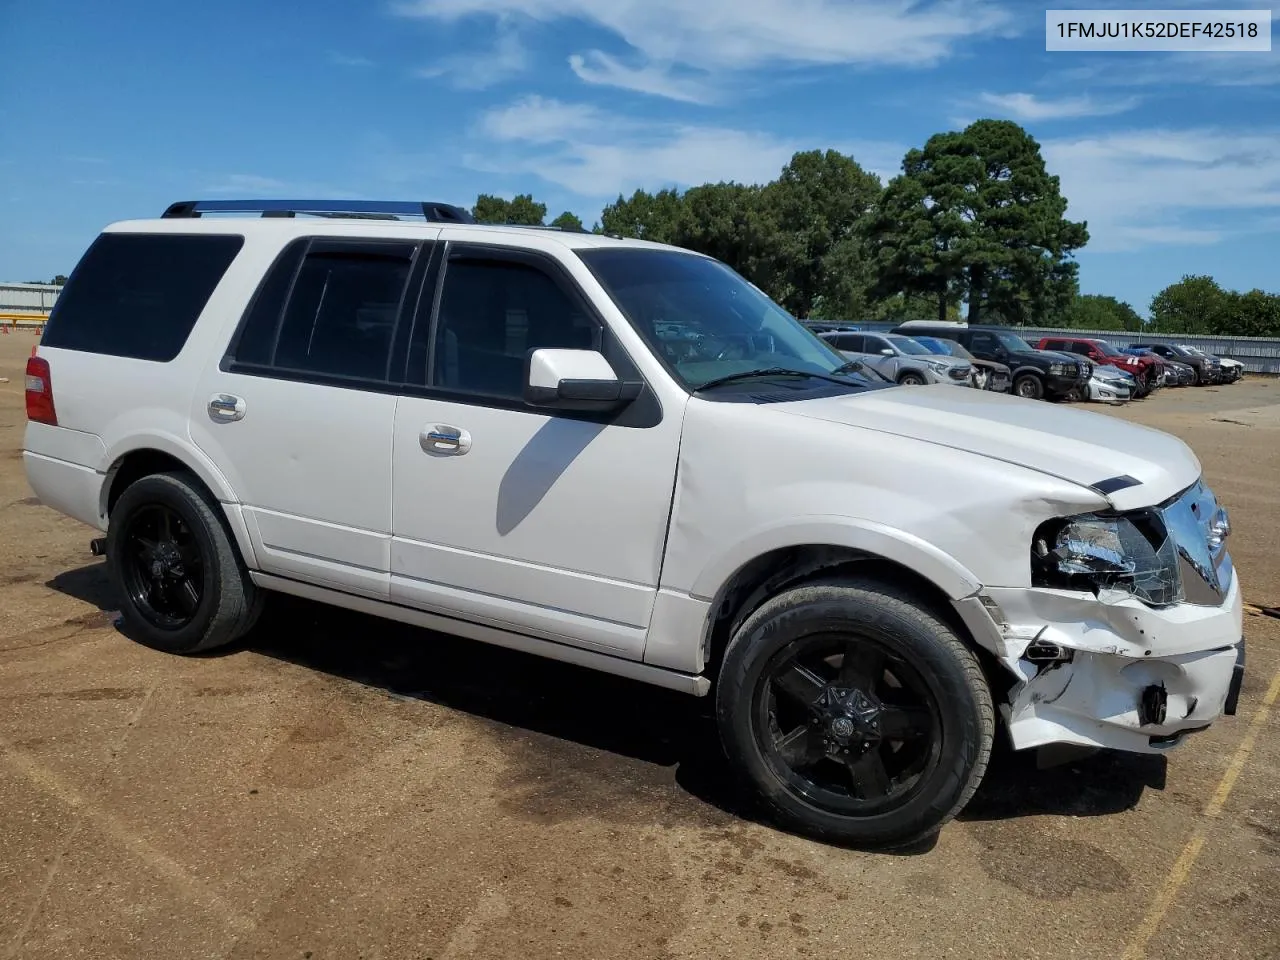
{"x": 901, "y": 359}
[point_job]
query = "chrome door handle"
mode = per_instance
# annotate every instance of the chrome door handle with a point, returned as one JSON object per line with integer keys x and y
{"x": 223, "y": 406}
{"x": 440, "y": 438}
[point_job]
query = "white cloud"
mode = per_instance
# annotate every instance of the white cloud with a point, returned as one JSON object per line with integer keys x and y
{"x": 1158, "y": 186}
{"x": 480, "y": 70}
{"x": 656, "y": 79}
{"x": 597, "y": 154}
{"x": 1029, "y": 107}
{"x": 722, "y": 35}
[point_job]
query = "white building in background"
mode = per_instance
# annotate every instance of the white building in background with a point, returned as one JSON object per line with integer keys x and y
{"x": 33, "y": 298}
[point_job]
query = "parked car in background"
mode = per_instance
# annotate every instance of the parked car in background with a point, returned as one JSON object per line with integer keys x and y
{"x": 901, "y": 359}
{"x": 1146, "y": 370}
{"x": 1111, "y": 385}
{"x": 1207, "y": 369}
{"x": 1037, "y": 374}
{"x": 987, "y": 374}
{"x": 1176, "y": 373}
{"x": 1232, "y": 370}
{"x": 818, "y": 326}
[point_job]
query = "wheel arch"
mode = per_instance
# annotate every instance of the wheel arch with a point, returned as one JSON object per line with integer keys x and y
{"x": 130, "y": 461}
{"x": 737, "y": 587}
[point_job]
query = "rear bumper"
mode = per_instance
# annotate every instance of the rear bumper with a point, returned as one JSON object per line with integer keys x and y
{"x": 68, "y": 488}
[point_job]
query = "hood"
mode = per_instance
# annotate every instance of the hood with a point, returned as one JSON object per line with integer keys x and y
{"x": 1071, "y": 444}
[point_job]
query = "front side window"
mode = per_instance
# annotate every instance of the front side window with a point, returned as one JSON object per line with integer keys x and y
{"x": 492, "y": 312}
{"x": 708, "y": 322}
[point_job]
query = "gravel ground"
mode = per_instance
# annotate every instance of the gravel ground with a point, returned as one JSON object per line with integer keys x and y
{"x": 339, "y": 787}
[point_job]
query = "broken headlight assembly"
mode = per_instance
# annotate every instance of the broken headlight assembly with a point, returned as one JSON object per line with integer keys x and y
{"x": 1130, "y": 552}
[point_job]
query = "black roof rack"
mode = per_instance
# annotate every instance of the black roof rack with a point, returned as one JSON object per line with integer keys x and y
{"x": 372, "y": 209}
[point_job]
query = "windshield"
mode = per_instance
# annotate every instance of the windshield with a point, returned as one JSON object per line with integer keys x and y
{"x": 907, "y": 345}
{"x": 1107, "y": 349}
{"x": 1194, "y": 351}
{"x": 1013, "y": 343}
{"x": 705, "y": 320}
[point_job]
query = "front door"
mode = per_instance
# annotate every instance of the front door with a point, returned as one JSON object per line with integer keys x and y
{"x": 548, "y": 523}
{"x": 299, "y": 415}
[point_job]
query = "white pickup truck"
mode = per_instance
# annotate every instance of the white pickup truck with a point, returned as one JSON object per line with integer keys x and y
{"x": 625, "y": 456}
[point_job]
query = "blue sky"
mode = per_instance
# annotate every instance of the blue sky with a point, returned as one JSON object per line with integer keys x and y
{"x": 113, "y": 110}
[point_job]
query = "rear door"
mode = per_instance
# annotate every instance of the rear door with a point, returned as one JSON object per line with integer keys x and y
{"x": 298, "y": 415}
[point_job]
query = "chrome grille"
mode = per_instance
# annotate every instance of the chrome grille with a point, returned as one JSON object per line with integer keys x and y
{"x": 1194, "y": 521}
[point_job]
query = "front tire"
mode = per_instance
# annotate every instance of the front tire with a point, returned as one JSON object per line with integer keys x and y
{"x": 855, "y": 714}
{"x": 183, "y": 587}
{"x": 1029, "y": 386}
{"x": 911, "y": 380}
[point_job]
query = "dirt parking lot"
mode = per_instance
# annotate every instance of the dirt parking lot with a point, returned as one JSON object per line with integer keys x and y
{"x": 339, "y": 787}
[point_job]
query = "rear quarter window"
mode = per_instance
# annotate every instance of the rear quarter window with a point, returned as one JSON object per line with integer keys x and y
{"x": 139, "y": 295}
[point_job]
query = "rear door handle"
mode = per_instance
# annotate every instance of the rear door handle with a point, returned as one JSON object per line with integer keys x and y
{"x": 441, "y": 439}
{"x": 223, "y": 406}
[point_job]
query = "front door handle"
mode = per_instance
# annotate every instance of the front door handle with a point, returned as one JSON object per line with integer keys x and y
{"x": 223, "y": 406}
{"x": 444, "y": 440}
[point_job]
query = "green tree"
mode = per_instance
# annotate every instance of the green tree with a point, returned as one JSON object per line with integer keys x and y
{"x": 644, "y": 216}
{"x": 522, "y": 210}
{"x": 567, "y": 221}
{"x": 1094, "y": 312}
{"x": 813, "y": 248}
{"x": 723, "y": 221}
{"x": 1252, "y": 314}
{"x": 1195, "y": 304}
{"x": 977, "y": 214}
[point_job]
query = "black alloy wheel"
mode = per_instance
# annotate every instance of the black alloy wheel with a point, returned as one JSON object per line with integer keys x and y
{"x": 184, "y": 586}
{"x": 854, "y": 713}
{"x": 162, "y": 568}
{"x": 846, "y": 724}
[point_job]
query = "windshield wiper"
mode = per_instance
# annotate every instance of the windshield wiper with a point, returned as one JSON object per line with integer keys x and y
{"x": 776, "y": 372}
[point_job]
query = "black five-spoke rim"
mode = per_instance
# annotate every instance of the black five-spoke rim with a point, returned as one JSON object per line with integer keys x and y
{"x": 849, "y": 726}
{"x": 162, "y": 567}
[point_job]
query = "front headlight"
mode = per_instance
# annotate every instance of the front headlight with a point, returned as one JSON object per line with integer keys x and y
{"x": 1057, "y": 369}
{"x": 936, "y": 366}
{"x": 1130, "y": 552}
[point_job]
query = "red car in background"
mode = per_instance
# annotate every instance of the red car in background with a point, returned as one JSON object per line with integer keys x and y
{"x": 1147, "y": 370}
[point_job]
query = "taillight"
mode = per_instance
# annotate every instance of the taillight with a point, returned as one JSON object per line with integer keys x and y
{"x": 40, "y": 392}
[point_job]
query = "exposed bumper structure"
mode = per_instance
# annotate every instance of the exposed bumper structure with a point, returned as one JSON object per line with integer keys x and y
{"x": 1115, "y": 673}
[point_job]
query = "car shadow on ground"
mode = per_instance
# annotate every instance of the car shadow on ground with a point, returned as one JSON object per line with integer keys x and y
{"x": 671, "y": 734}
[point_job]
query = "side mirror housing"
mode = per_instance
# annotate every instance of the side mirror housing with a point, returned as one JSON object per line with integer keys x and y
{"x": 575, "y": 380}
{"x": 886, "y": 352}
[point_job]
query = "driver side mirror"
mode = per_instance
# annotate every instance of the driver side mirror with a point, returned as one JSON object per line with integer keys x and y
{"x": 575, "y": 380}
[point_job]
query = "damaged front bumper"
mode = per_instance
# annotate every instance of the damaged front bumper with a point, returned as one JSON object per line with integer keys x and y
{"x": 1110, "y": 671}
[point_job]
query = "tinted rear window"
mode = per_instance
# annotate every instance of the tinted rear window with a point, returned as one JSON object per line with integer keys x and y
{"x": 139, "y": 295}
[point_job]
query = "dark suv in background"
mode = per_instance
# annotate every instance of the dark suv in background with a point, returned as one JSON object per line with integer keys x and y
{"x": 1207, "y": 369}
{"x": 1037, "y": 374}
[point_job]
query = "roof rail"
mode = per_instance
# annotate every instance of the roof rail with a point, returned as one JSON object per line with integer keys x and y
{"x": 431, "y": 211}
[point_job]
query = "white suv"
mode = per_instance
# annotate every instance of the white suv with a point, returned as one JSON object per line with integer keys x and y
{"x": 625, "y": 456}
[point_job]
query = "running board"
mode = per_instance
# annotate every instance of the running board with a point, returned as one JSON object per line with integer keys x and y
{"x": 693, "y": 684}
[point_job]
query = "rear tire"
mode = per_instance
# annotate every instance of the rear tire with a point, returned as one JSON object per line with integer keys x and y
{"x": 1029, "y": 386}
{"x": 812, "y": 685}
{"x": 183, "y": 586}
